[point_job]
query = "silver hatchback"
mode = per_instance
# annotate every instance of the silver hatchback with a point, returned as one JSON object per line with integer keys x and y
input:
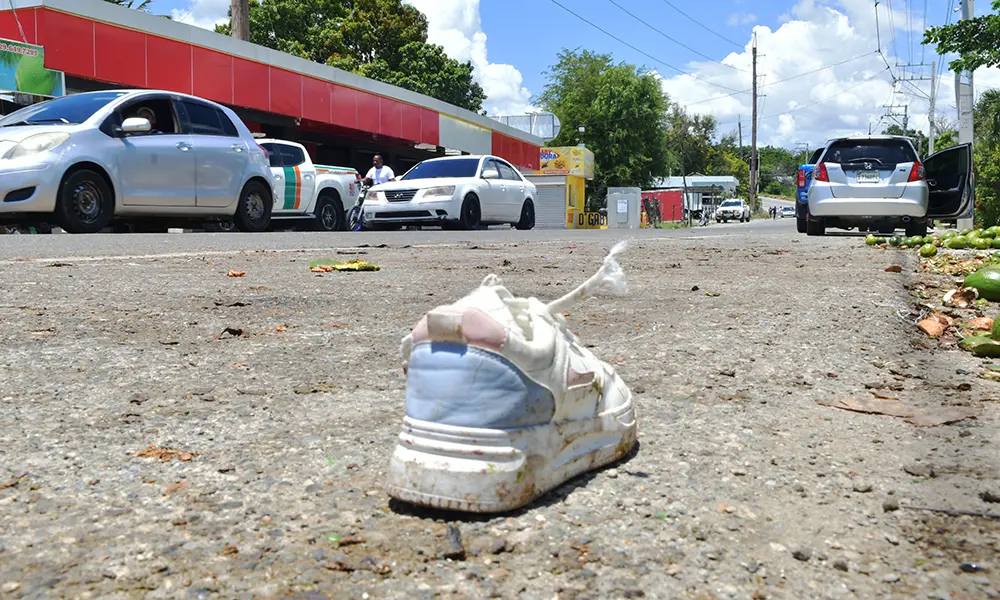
{"x": 878, "y": 183}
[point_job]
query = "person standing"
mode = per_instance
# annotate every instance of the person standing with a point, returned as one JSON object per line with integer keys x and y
{"x": 379, "y": 173}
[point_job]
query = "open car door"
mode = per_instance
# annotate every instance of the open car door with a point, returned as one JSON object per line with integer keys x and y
{"x": 949, "y": 179}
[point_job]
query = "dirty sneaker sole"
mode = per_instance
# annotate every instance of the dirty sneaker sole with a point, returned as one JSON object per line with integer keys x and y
{"x": 496, "y": 470}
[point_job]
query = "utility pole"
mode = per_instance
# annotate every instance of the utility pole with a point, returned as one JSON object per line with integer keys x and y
{"x": 805, "y": 150}
{"x": 930, "y": 110}
{"x": 739, "y": 127}
{"x": 753, "y": 132}
{"x": 963, "y": 96}
{"x": 240, "y": 24}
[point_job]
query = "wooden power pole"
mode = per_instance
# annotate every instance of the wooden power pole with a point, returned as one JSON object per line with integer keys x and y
{"x": 240, "y": 27}
{"x": 753, "y": 132}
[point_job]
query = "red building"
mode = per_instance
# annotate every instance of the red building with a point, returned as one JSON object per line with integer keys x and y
{"x": 343, "y": 118}
{"x": 671, "y": 208}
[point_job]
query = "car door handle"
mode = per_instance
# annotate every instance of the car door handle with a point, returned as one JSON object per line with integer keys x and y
{"x": 237, "y": 147}
{"x": 184, "y": 146}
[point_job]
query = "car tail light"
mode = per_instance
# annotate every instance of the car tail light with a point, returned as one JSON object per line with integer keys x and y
{"x": 820, "y": 174}
{"x": 917, "y": 172}
{"x": 267, "y": 154}
{"x": 802, "y": 178}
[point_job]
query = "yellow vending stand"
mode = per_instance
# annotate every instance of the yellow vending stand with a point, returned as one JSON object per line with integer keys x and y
{"x": 569, "y": 168}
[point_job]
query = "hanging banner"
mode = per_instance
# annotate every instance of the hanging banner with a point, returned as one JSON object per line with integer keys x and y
{"x": 22, "y": 69}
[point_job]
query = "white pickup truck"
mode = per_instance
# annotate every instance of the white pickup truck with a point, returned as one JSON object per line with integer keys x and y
{"x": 303, "y": 190}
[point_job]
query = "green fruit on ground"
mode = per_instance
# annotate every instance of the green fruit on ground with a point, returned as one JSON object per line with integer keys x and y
{"x": 970, "y": 343}
{"x": 965, "y": 231}
{"x": 949, "y": 234}
{"x": 996, "y": 328}
{"x": 917, "y": 241}
{"x": 995, "y": 243}
{"x": 870, "y": 240}
{"x": 894, "y": 241}
{"x": 981, "y": 243}
{"x": 989, "y": 349}
{"x": 879, "y": 240}
{"x": 988, "y": 233}
{"x": 987, "y": 281}
{"x": 928, "y": 250}
{"x": 957, "y": 243}
{"x": 929, "y": 239}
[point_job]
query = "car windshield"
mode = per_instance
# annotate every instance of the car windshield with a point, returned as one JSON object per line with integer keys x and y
{"x": 731, "y": 203}
{"x": 881, "y": 152}
{"x": 435, "y": 169}
{"x": 68, "y": 110}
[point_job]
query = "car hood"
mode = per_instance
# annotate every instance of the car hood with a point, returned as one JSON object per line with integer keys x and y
{"x": 420, "y": 184}
{"x": 17, "y": 134}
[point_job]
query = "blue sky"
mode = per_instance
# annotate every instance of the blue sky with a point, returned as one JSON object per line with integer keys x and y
{"x": 512, "y": 43}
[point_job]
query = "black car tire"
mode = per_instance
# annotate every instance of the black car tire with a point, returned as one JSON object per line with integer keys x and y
{"x": 85, "y": 203}
{"x": 471, "y": 216}
{"x": 253, "y": 213}
{"x": 917, "y": 229}
{"x": 527, "y": 221}
{"x": 330, "y": 213}
{"x": 800, "y": 224}
{"x": 816, "y": 227}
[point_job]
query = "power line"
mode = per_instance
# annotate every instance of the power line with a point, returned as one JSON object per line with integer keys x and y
{"x": 843, "y": 62}
{"x": 646, "y": 54}
{"x": 923, "y": 25}
{"x": 811, "y": 104}
{"x": 683, "y": 45}
{"x": 700, "y": 24}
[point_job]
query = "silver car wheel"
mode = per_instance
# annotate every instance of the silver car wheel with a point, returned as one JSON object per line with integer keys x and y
{"x": 86, "y": 202}
{"x": 327, "y": 216}
{"x": 255, "y": 206}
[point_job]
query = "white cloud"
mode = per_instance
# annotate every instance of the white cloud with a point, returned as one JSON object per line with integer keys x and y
{"x": 203, "y": 13}
{"x": 455, "y": 25}
{"x": 837, "y": 101}
{"x": 738, "y": 19}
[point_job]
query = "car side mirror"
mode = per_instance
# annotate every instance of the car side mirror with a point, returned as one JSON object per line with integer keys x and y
{"x": 136, "y": 125}
{"x": 491, "y": 174}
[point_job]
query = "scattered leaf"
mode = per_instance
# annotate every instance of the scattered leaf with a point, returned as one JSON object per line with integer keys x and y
{"x": 894, "y": 269}
{"x": 235, "y": 273}
{"x": 230, "y": 551}
{"x": 932, "y": 327}
{"x": 175, "y": 487}
{"x": 961, "y": 298}
{"x": 233, "y": 331}
{"x": 281, "y": 328}
{"x": 165, "y": 454}
{"x": 981, "y": 323}
{"x": 324, "y": 265}
{"x": 712, "y": 294}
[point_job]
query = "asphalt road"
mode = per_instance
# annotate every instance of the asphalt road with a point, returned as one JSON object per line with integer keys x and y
{"x": 82, "y": 247}
{"x": 173, "y": 432}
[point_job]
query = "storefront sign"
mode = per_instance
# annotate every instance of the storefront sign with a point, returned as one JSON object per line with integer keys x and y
{"x": 22, "y": 69}
{"x": 591, "y": 220}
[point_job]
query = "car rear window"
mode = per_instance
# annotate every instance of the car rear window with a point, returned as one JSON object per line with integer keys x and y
{"x": 883, "y": 152}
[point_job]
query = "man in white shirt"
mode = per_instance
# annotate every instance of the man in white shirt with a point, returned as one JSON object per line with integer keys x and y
{"x": 379, "y": 173}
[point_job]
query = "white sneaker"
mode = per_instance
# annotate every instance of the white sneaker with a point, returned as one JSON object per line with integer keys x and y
{"x": 503, "y": 403}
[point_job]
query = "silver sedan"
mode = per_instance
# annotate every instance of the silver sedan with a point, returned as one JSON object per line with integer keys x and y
{"x": 86, "y": 159}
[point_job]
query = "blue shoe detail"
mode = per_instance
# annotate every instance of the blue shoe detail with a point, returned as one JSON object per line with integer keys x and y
{"x": 463, "y": 386}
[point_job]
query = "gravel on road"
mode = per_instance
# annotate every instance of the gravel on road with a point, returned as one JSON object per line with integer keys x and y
{"x": 171, "y": 432}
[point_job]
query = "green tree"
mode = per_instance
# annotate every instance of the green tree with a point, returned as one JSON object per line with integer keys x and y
{"x": 976, "y": 41}
{"x": 945, "y": 139}
{"x": 623, "y": 111}
{"x": 690, "y": 142}
{"x": 142, "y": 5}
{"x": 730, "y": 163}
{"x": 424, "y": 68}
{"x": 382, "y": 39}
{"x": 986, "y": 158}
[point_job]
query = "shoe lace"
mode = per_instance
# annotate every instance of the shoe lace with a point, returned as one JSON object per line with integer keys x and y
{"x": 610, "y": 276}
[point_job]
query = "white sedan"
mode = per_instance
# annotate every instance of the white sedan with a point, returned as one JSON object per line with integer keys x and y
{"x": 469, "y": 192}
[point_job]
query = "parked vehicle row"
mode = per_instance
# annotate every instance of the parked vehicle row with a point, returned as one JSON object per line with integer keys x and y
{"x": 878, "y": 183}
{"x": 139, "y": 157}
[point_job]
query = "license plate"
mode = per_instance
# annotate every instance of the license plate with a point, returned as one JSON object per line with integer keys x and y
{"x": 867, "y": 177}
